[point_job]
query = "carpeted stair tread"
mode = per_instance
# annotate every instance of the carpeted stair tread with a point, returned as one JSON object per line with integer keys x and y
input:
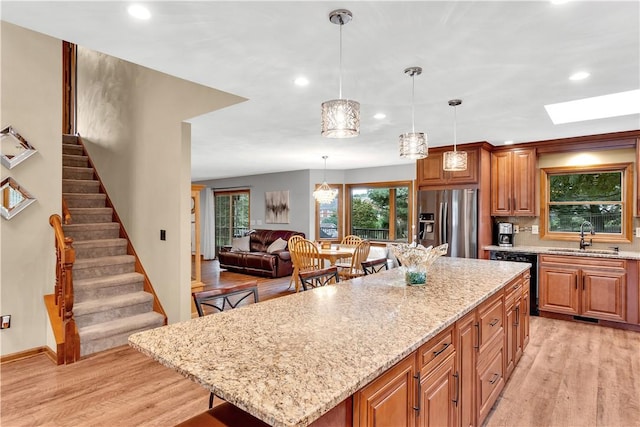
{"x": 115, "y": 333}
{"x": 72, "y": 149}
{"x": 91, "y": 215}
{"x": 113, "y": 327}
{"x": 92, "y": 231}
{"x": 84, "y": 200}
{"x": 69, "y": 139}
{"x": 85, "y": 245}
{"x": 108, "y": 304}
{"x": 108, "y": 281}
{"x": 76, "y": 172}
{"x": 80, "y": 186}
{"x": 103, "y": 261}
{"x": 74, "y": 160}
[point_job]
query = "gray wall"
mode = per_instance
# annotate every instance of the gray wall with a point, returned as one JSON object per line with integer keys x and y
{"x": 301, "y": 185}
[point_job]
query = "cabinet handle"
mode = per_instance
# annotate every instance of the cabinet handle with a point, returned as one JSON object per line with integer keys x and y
{"x": 514, "y": 204}
{"x": 419, "y": 397}
{"x": 494, "y": 322}
{"x": 444, "y": 347}
{"x": 576, "y": 277}
{"x": 494, "y": 378}
{"x": 508, "y": 203}
{"x": 477, "y": 325}
{"x": 583, "y": 277}
{"x": 517, "y": 316}
{"x": 457, "y": 377}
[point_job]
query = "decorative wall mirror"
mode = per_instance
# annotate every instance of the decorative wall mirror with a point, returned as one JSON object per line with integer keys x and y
{"x": 15, "y": 149}
{"x": 14, "y": 198}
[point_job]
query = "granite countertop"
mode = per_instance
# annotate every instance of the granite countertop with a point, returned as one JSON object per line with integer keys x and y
{"x": 289, "y": 360}
{"x": 589, "y": 252}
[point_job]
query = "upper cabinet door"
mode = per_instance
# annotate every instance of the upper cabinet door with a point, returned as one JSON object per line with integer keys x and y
{"x": 430, "y": 172}
{"x": 513, "y": 182}
{"x": 523, "y": 190}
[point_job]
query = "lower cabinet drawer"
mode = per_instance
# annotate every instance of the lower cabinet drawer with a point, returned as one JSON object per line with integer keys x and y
{"x": 491, "y": 319}
{"x": 436, "y": 350}
{"x": 490, "y": 381}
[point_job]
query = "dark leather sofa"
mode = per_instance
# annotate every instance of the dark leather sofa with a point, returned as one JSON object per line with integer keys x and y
{"x": 258, "y": 261}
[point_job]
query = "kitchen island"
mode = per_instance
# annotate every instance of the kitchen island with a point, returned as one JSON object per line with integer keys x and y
{"x": 290, "y": 360}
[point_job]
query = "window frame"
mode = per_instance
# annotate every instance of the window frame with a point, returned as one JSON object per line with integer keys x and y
{"x": 626, "y": 234}
{"x": 392, "y": 222}
{"x": 340, "y": 199}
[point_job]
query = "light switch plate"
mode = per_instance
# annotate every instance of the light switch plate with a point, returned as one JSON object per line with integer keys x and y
{"x": 534, "y": 229}
{"x": 516, "y": 229}
{"x": 637, "y": 231}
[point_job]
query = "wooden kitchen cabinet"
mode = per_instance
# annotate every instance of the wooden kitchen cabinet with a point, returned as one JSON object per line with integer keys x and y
{"x": 455, "y": 378}
{"x": 516, "y": 322}
{"x": 431, "y": 172}
{"x": 581, "y": 286}
{"x": 390, "y": 399}
{"x": 513, "y": 182}
{"x": 438, "y": 399}
{"x": 466, "y": 349}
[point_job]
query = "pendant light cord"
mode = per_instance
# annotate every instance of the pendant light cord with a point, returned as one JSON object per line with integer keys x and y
{"x": 340, "y": 95}
{"x": 413, "y": 108}
{"x": 455, "y": 126}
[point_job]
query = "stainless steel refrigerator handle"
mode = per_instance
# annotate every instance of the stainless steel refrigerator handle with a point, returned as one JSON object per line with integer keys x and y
{"x": 446, "y": 224}
{"x": 441, "y": 224}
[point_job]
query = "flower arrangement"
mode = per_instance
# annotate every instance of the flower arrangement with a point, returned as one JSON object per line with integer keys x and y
{"x": 417, "y": 259}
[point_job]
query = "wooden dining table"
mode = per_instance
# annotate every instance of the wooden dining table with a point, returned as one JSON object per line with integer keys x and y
{"x": 333, "y": 255}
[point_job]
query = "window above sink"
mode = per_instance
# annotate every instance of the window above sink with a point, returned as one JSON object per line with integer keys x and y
{"x": 601, "y": 195}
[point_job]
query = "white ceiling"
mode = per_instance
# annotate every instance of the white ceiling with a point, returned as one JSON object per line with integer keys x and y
{"x": 505, "y": 60}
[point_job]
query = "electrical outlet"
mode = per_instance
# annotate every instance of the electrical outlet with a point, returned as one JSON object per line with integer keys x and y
{"x": 6, "y": 322}
{"x": 516, "y": 229}
{"x": 534, "y": 229}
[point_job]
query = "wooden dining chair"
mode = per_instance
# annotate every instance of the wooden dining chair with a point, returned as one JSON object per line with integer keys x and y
{"x": 294, "y": 276}
{"x": 319, "y": 277}
{"x": 374, "y": 266}
{"x": 350, "y": 242}
{"x": 223, "y": 298}
{"x": 354, "y": 269}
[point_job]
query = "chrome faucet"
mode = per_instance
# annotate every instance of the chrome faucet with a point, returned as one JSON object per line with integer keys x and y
{"x": 584, "y": 244}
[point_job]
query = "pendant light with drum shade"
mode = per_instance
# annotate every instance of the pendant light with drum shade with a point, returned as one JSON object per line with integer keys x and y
{"x": 413, "y": 145}
{"x": 455, "y": 160}
{"x": 324, "y": 193}
{"x": 340, "y": 117}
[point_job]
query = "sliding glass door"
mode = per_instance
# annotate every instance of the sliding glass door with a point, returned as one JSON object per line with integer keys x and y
{"x": 232, "y": 216}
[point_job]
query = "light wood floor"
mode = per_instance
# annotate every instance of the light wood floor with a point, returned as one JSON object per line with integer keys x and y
{"x": 570, "y": 375}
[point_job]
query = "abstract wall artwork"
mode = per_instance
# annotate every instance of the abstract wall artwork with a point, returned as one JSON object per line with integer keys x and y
{"x": 277, "y": 207}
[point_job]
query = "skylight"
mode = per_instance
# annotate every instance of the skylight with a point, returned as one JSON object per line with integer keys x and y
{"x": 598, "y": 107}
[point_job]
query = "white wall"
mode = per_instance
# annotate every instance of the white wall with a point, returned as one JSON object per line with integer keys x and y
{"x": 131, "y": 119}
{"x": 31, "y": 102}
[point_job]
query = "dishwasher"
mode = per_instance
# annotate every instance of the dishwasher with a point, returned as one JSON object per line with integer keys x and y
{"x": 532, "y": 259}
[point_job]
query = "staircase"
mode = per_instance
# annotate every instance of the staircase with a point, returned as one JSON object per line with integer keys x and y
{"x": 110, "y": 302}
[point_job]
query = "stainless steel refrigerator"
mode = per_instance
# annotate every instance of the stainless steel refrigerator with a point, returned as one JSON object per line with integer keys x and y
{"x": 449, "y": 216}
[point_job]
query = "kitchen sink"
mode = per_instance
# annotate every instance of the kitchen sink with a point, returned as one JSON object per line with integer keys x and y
{"x": 585, "y": 251}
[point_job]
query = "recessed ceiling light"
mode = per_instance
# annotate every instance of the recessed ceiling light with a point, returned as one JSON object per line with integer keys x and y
{"x": 559, "y": 1}
{"x": 508, "y": 142}
{"x": 301, "y": 81}
{"x": 379, "y": 116}
{"x": 598, "y": 107}
{"x": 580, "y": 75}
{"x": 139, "y": 11}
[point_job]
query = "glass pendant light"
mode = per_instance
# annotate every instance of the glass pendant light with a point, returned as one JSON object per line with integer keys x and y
{"x": 324, "y": 193}
{"x": 455, "y": 160}
{"x": 340, "y": 117}
{"x": 413, "y": 145}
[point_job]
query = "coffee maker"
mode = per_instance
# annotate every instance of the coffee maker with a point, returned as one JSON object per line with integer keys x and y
{"x": 505, "y": 234}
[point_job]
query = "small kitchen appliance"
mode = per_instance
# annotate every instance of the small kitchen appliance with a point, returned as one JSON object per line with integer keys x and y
{"x": 505, "y": 234}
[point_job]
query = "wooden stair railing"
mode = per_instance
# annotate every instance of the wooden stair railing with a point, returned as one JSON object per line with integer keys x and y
{"x": 66, "y": 213}
{"x": 61, "y": 308}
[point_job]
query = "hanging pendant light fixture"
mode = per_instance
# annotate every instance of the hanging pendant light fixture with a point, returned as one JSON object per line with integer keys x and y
{"x": 340, "y": 117}
{"x": 324, "y": 193}
{"x": 455, "y": 160}
{"x": 413, "y": 145}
